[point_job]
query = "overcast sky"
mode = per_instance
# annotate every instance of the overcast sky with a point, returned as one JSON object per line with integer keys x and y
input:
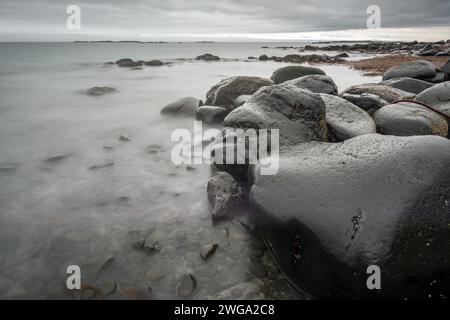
{"x": 194, "y": 20}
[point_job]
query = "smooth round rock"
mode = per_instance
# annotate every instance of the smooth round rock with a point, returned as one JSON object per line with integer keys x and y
{"x": 384, "y": 92}
{"x": 345, "y": 120}
{"x": 298, "y": 113}
{"x": 437, "y": 97}
{"x": 154, "y": 63}
{"x": 419, "y": 69}
{"x": 183, "y": 106}
{"x": 317, "y": 83}
{"x": 409, "y": 119}
{"x": 226, "y": 91}
{"x": 291, "y": 72}
{"x": 187, "y": 285}
{"x": 412, "y": 85}
{"x": 366, "y": 101}
{"x": 333, "y": 210}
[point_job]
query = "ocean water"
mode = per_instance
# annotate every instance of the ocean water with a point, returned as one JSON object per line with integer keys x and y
{"x": 61, "y": 213}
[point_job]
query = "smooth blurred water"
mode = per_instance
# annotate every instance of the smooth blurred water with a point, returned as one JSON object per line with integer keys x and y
{"x": 56, "y": 214}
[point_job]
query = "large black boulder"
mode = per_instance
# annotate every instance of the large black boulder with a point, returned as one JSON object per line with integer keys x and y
{"x": 333, "y": 210}
{"x": 317, "y": 83}
{"x": 408, "y": 84}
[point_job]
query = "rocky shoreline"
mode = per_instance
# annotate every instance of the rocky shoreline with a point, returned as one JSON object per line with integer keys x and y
{"x": 363, "y": 176}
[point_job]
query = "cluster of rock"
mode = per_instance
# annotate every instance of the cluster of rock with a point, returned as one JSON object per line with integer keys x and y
{"x": 363, "y": 177}
{"x": 311, "y": 58}
{"x": 439, "y": 48}
{"x": 130, "y": 63}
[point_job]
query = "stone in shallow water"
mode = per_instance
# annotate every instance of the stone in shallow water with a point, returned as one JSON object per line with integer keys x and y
{"x": 98, "y": 91}
{"x": 187, "y": 285}
{"x": 409, "y": 119}
{"x": 107, "y": 163}
{"x": 345, "y": 120}
{"x": 154, "y": 63}
{"x": 335, "y": 209}
{"x": 182, "y": 106}
{"x": 57, "y": 157}
{"x": 7, "y": 167}
{"x": 211, "y": 114}
{"x": 292, "y": 72}
{"x": 208, "y": 250}
{"x": 224, "y": 194}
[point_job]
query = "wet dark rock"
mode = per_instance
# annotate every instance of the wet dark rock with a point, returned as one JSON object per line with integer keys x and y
{"x": 370, "y": 200}
{"x": 224, "y": 194}
{"x": 183, "y": 106}
{"x": 384, "y": 92}
{"x": 211, "y": 114}
{"x": 298, "y": 113}
{"x": 108, "y": 147}
{"x": 409, "y": 119}
{"x": 109, "y": 63}
{"x": 99, "y": 91}
{"x": 366, "y": 101}
{"x": 438, "y": 78}
{"x": 344, "y": 119}
{"x": 187, "y": 285}
{"x": 263, "y": 57}
{"x": 58, "y": 157}
{"x": 208, "y": 250}
{"x": 131, "y": 64}
{"x": 107, "y": 163}
{"x": 154, "y": 63}
{"x": 419, "y": 69}
{"x": 154, "y": 149}
{"x": 316, "y": 83}
{"x": 437, "y": 97}
{"x": 412, "y": 85}
{"x": 428, "y": 53}
{"x": 124, "y": 137}
{"x": 291, "y": 72}
{"x": 124, "y": 60}
{"x": 445, "y": 53}
{"x": 208, "y": 57}
{"x": 342, "y": 55}
{"x": 226, "y": 91}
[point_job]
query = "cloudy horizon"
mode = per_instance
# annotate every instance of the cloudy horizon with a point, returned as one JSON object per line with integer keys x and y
{"x": 227, "y": 20}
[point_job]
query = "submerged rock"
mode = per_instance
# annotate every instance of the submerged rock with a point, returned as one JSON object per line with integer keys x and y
{"x": 124, "y": 60}
{"x": 292, "y": 72}
{"x": 187, "y": 285}
{"x": 57, "y": 157}
{"x": 7, "y": 167}
{"x": 412, "y": 85}
{"x": 366, "y": 101}
{"x": 409, "y": 119}
{"x": 183, "y": 106}
{"x": 154, "y": 63}
{"x": 384, "y": 92}
{"x": 211, "y": 114}
{"x": 208, "y": 250}
{"x": 298, "y": 113}
{"x": 208, "y": 57}
{"x": 226, "y": 91}
{"x": 419, "y": 69}
{"x": 99, "y": 91}
{"x": 316, "y": 83}
{"x": 345, "y": 120}
{"x": 335, "y": 209}
{"x": 107, "y": 163}
{"x": 224, "y": 194}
